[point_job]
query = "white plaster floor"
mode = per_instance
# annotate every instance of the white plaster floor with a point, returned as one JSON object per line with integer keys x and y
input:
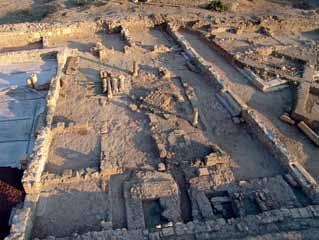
{"x": 19, "y": 108}
{"x": 16, "y": 74}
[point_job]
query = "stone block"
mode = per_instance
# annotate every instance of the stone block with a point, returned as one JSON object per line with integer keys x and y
{"x": 299, "y": 113}
{"x": 180, "y": 229}
{"x": 161, "y": 167}
{"x": 287, "y": 119}
{"x": 314, "y": 137}
{"x": 190, "y": 226}
{"x": 316, "y": 210}
{"x": 294, "y": 213}
{"x": 154, "y": 236}
{"x": 285, "y": 212}
{"x": 167, "y": 232}
{"x": 220, "y": 221}
{"x": 200, "y": 228}
{"x": 304, "y": 213}
{"x": 203, "y": 172}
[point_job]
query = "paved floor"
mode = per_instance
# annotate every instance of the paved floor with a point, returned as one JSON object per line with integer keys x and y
{"x": 19, "y": 108}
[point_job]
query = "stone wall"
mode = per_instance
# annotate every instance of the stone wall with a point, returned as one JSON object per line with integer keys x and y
{"x": 307, "y": 183}
{"x": 32, "y": 175}
{"x": 263, "y": 129}
{"x": 69, "y": 176}
{"x": 244, "y": 67}
{"x": 126, "y": 36}
{"x": 269, "y": 136}
{"x": 23, "y": 219}
{"x": 235, "y": 105}
{"x": 265, "y": 223}
{"x": 26, "y": 55}
{"x": 23, "y": 34}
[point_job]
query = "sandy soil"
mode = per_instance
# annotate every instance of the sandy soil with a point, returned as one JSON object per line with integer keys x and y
{"x": 76, "y": 209}
{"x": 73, "y": 151}
{"x": 127, "y": 142}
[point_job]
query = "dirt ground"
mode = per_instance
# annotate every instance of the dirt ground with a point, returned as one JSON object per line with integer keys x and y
{"x": 77, "y": 209}
{"x": 73, "y": 151}
{"x": 66, "y": 10}
{"x": 126, "y": 129}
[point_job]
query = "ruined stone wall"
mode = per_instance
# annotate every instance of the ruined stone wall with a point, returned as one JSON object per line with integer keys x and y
{"x": 307, "y": 183}
{"x": 33, "y": 182}
{"x": 263, "y": 131}
{"x": 264, "y": 223}
{"x": 244, "y": 68}
{"x": 32, "y": 175}
{"x": 23, "y": 218}
{"x": 24, "y": 34}
{"x": 259, "y": 125}
{"x": 51, "y": 180}
{"x": 266, "y": 133}
{"x": 27, "y": 55}
{"x": 22, "y": 221}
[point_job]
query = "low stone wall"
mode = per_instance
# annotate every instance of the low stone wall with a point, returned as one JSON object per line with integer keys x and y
{"x": 303, "y": 113}
{"x": 239, "y": 227}
{"x": 134, "y": 210}
{"x": 107, "y": 167}
{"x": 265, "y": 134}
{"x": 55, "y": 85}
{"x": 23, "y": 34}
{"x": 26, "y": 55}
{"x": 307, "y": 183}
{"x": 269, "y": 136}
{"x": 244, "y": 68}
{"x": 262, "y": 85}
{"x": 32, "y": 175}
{"x": 23, "y": 219}
{"x": 312, "y": 135}
{"x": 303, "y": 92}
{"x": 69, "y": 176}
{"x": 266, "y": 222}
{"x": 107, "y": 234}
{"x": 260, "y": 126}
{"x": 126, "y": 36}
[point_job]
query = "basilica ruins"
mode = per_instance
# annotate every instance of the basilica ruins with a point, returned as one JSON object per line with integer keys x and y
{"x": 160, "y": 127}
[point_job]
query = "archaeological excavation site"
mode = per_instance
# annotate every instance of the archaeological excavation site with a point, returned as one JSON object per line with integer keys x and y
{"x": 159, "y": 120}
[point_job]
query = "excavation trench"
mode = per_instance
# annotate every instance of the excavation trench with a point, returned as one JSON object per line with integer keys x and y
{"x": 251, "y": 158}
{"x": 186, "y": 207}
{"x": 271, "y": 104}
